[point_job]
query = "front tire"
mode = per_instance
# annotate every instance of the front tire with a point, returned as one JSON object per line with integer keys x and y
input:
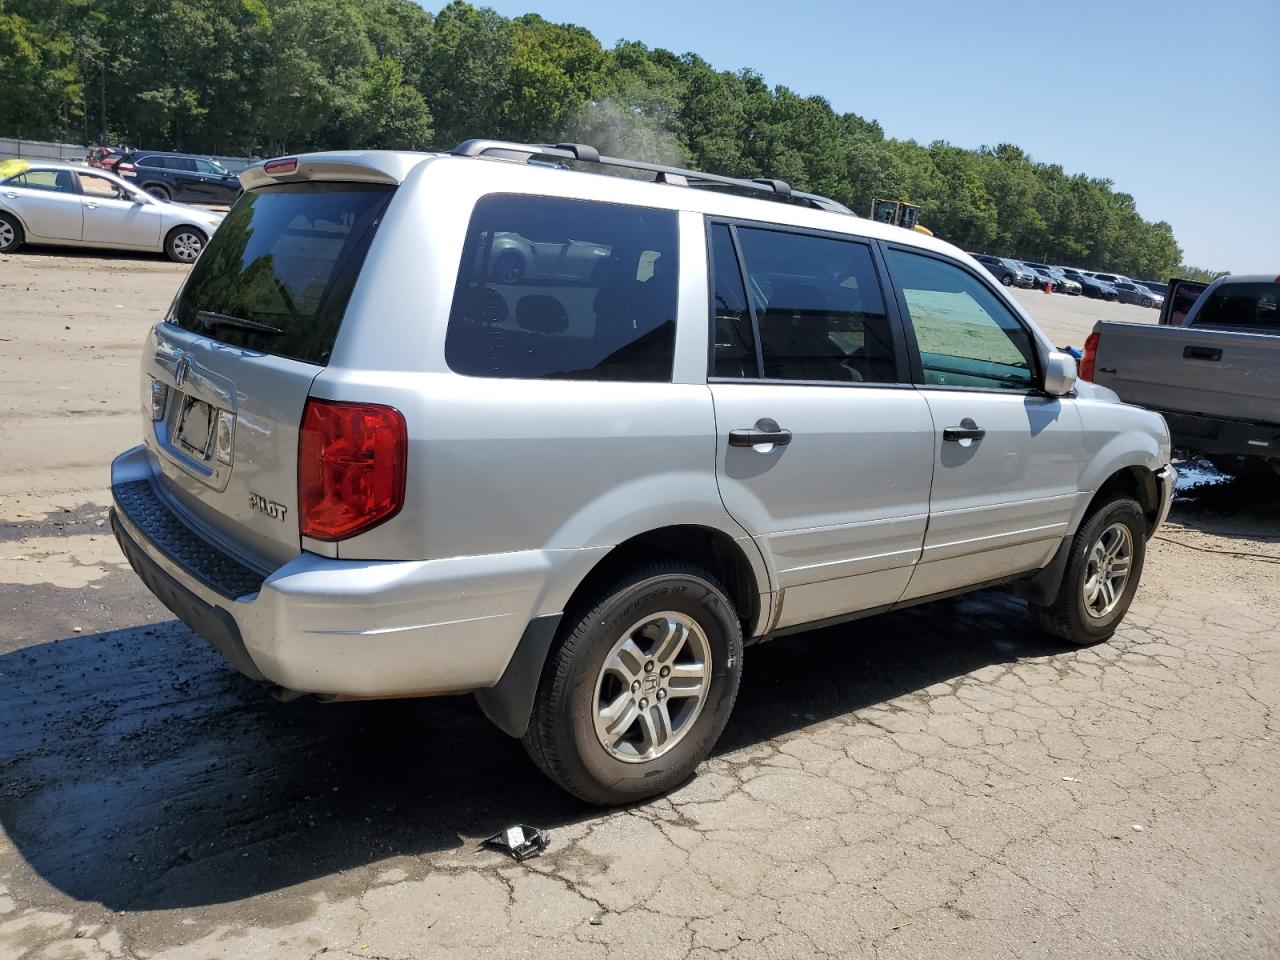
{"x": 184, "y": 244}
{"x": 1101, "y": 576}
{"x": 11, "y": 235}
{"x": 1007, "y": 280}
{"x": 639, "y": 685}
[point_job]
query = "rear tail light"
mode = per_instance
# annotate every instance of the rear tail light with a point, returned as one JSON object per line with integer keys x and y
{"x": 351, "y": 467}
{"x": 1090, "y": 356}
{"x": 126, "y": 170}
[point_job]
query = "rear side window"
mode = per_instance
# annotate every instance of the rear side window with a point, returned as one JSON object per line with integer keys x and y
{"x": 1244, "y": 306}
{"x": 551, "y": 288}
{"x": 819, "y": 309}
{"x": 286, "y": 257}
{"x": 60, "y": 181}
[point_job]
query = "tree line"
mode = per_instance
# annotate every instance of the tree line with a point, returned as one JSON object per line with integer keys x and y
{"x": 266, "y": 77}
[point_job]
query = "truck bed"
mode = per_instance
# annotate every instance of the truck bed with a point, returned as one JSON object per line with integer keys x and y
{"x": 1223, "y": 374}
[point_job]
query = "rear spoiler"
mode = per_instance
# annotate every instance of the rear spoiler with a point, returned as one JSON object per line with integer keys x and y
{"x": 358, "y": 166}
{"x": 1179, "y": 299}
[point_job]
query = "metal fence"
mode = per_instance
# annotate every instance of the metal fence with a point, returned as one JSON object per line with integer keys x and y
{"x": 75, "y": 153}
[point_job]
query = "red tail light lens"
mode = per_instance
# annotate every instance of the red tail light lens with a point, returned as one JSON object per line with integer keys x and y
{"x": 351, "y": 466}
{"x": 1090, "y": 355}
{"x": 126, "y": 169}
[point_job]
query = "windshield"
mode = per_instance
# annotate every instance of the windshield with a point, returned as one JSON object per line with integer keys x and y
{"x": 278, "y": 273}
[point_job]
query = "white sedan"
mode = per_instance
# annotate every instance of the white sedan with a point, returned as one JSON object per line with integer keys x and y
{"x": 67, "y": 205}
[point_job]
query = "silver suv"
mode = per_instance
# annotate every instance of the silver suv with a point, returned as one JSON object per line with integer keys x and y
{"x": 379, "y": 460}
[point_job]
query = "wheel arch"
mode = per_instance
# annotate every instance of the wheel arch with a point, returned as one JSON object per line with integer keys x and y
{"x": 1134, "y": 481}
{"x": 509, "y": 703}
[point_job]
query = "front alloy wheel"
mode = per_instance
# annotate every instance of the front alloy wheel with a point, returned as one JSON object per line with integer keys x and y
{"x": 1107, "y": 572}
{"x": 184, "y": 245}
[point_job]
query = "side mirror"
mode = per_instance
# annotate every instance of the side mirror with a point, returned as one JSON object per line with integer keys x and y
{"x": 1059, "y": 374}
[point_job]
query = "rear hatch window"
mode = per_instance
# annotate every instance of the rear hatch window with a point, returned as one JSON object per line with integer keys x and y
{"x": 1243, "y": 306}
{"x": 278, "y": 273}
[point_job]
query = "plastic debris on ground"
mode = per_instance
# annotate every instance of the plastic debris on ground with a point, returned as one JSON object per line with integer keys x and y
{"x": 520, "y": 841}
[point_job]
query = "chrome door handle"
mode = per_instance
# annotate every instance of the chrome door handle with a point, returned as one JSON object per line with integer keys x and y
{"x": 12, "y": 196}
{"x": 963, "y": 433}
{"x": 760, "y": 433}
{"x": 91, "y": 206}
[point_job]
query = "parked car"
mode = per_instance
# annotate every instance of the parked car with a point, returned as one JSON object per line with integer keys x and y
{"x": 1009, "y": 272}
{"x": 1090, "y": 286}
{"x": 516, "y": 258}
{"x": 1130, "y": 292}
{"x": 177, "y": 176}
{"x": 70, "y": 205}
{"x": 1110, "y": 278}
{"x": 1215, "y": 378}
{"x": 104, "y": 158}
{"x": 372, "y": 468}
{"x": 1156, "y": 286}
{"x": 1058, "y": 282}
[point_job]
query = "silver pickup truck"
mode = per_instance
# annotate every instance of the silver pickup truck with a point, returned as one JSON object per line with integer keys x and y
{"x": 1215, "y": 375}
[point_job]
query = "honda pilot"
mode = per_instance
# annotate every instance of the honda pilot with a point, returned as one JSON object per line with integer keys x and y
{"x": 382, "y": 458}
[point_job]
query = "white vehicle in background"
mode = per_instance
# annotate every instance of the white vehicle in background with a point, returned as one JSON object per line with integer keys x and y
{"x": 70, "y": 205}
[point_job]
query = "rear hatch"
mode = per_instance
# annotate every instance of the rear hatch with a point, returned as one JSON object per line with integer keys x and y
{"x": 253, "y": 326}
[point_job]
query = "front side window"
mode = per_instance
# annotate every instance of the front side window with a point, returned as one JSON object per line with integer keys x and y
{"x": 966, "y": 336}
{"x": 95, "y": 186}
{"x": 550, "y": 288}
{"x": 819, "y": 310}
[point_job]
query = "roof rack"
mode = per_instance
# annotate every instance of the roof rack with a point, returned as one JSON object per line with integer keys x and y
{"x": 676, "y": 176}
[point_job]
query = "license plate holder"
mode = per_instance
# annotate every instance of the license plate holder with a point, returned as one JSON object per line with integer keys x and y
{"x": 195, "y": 427}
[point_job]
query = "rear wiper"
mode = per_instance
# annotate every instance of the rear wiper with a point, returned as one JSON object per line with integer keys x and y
{"x": 211, "y": 319}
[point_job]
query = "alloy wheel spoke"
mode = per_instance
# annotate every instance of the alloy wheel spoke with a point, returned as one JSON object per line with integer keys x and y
{"x": 671, "y": 642}
{"x": 627, "y": 661}
{"x": 617, "y": 718}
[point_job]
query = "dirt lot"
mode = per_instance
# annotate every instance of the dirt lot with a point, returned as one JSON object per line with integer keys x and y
{"x": 938, "y": 782}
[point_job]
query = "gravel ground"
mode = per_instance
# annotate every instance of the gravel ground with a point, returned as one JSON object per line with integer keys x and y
{"x": 937, "y": 782}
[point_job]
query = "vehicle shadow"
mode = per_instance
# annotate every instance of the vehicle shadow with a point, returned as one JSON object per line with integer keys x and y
{"x": 1241, "y": 505}
{"x": 138, "y": 771}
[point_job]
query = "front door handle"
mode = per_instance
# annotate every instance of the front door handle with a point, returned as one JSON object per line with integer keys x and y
{"x": 765, "y": 431}
{"x": 1202, "y": 353}
{"x": 90, "y": 205}
{"x": 963, "y": 433}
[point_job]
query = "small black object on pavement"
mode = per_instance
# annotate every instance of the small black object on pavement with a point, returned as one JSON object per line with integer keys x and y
{"x": 520, "y": 841}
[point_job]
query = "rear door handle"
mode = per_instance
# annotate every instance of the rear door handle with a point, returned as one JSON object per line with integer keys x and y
{"x": 1202, "y": 353}
{"x": 756, "y": 435}
{"x": 91, "y": 206}
{"x": 963, "y": 433}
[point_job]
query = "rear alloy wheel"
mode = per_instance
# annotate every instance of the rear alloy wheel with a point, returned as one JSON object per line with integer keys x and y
{"x": 160, "y": 193}
{"x": 11, "y": 235}
{"x": 639, "y": 686}
{"x": 184, "y": 244}
{"x": 1101, "y": 577}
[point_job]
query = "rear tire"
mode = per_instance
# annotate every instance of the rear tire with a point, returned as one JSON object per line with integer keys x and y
{"x": 636, "y": 649}
{"x": 11, "y": 235}
{"x": 184, "y": 244}
{"x": 1092, "y": 598}
{"x": 159, "y": 192}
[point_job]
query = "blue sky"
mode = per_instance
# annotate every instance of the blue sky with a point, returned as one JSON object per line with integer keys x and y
{"x": 1177, "y": 102}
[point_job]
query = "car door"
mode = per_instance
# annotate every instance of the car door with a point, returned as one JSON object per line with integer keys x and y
{"x": 112, "y": 218}
{"x": 1007, "y": 457}
{"x": 188, "y": 184}
{"x": 823, "y": 448}
{"x": 216, "y": 184}
{"x": 47, "y": 201}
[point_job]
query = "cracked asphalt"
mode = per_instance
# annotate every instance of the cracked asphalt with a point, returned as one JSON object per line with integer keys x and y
{"x": 943, "y": 781}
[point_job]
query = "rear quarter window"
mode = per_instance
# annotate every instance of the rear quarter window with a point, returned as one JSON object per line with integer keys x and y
{"x": 551, "y": 288}
{"x": 286, "y": 257}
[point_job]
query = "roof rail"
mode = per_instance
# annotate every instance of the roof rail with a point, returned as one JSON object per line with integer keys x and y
{"x": 676, "y": 176}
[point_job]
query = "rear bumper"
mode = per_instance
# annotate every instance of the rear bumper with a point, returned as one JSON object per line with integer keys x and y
{"x": 354, "y": 628}
{"x": 1212, "y": 435}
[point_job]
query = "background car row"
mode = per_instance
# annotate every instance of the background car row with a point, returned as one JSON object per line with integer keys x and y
{"x": 170, "y": 176}
{"x": 1070, "y": 280}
